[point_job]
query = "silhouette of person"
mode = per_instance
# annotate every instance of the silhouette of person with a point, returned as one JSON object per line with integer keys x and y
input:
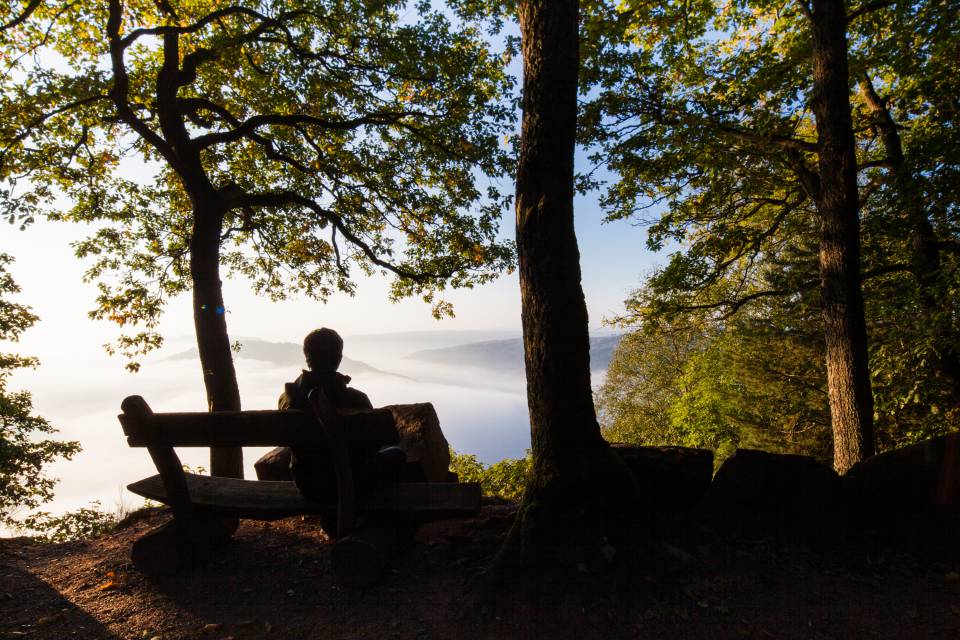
{"x": 323, "y": 350}
{"x": 311, "y": 468}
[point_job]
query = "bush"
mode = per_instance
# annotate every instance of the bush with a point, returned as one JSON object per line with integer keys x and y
{"x": 505, "y": 479}
{"x": 84, "y": 523}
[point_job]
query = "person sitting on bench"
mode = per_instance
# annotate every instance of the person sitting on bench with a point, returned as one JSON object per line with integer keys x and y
{"x": 311, "y": 469}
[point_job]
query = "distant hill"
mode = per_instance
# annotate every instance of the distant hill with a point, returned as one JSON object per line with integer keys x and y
{"x": 282, "y": 353}
{"x": 507, "y": 355}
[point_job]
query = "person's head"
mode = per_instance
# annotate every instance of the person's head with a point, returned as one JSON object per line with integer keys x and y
{"x": 323, "y": 349}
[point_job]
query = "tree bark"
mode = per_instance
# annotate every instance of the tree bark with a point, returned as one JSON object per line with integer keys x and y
{"x": 848, "y": 374}
{"x": 578, "y": 488}
{"x": 923, "y": 245}
{"x": 209, "y": 318}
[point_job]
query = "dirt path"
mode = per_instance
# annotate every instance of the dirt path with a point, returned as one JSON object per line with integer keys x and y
{"x": 274, "y": 581}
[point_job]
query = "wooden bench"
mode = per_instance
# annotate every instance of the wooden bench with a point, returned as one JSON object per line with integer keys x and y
{"x": 206, "y": 509}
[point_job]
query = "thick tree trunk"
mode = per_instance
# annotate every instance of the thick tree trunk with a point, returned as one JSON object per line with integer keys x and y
{"x": 213, "y": 343}
{"x": 848, "y": 374}
{"x": 577, "y": 491}
{"x": 923, "y": 245}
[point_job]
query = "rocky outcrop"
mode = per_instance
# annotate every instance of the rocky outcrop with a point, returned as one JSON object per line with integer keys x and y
{"x": 274, "y": 465}
{"x": 422, "y": 439}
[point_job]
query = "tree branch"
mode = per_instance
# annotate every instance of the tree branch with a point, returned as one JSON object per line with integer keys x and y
{"x": 249, "y": 126}
{"x": 210, "y": 18}
{"x": 782, "y": 142}
{"x": 23, "y": 16}
{"x": 289, "y": 198}
{"x": 868, "y": 8}
{"x": 121, "y": 88}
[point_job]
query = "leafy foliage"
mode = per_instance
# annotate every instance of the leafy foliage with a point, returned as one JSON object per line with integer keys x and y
{"x": 703, "y": 113}
{"x": 24, "y": 452}
{"x": 318, "y": 138}
{"x": 504, "y": 479}
{"x": 751, "y": 383}
{"x": 81, "y": 524}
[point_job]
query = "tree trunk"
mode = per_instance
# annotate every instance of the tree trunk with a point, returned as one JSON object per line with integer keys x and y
{"x": 577, "y": 490}
{"x": 848, "y": 374}
{"x": 213, "y": 343}
{"x": 923, "y": 246}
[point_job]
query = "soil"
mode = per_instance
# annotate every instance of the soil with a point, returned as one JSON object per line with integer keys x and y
{"x": 273, "y": 580}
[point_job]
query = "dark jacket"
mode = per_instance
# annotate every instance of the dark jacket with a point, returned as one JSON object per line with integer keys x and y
{"x": 311, "y": 468}
{"x": 334, "y": 386}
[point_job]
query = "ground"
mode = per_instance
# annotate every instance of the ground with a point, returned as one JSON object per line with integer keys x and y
{"x": 274, "y": 581}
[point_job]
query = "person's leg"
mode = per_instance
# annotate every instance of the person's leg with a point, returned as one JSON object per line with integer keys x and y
{"x": 389, "y": 464}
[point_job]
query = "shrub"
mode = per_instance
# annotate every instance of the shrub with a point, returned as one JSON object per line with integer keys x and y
{"x": 85, "y": 522}
{"x": 505, "y": 479}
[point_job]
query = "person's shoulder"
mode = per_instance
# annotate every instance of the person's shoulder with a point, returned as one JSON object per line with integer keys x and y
{"x": 356, "y": 399}
{"x": 294, "y": 393}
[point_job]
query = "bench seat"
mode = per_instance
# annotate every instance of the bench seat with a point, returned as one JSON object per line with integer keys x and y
{"x": 266, "y": 500}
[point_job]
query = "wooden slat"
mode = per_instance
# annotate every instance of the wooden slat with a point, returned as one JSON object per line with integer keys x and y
{"x": 164, "y": 458}
{"x": 261, "y": 500}
{"x": 364, "y": 427}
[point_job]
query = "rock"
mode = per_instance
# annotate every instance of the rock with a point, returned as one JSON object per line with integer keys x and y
{"x": 673, "y": 479}
{"x": 761, "y": 492}
{"x": 909, "y": 492}
{"x": 921, "y": 477}
{"x": 422, "y": 439}
{"x": 274, "y": 465}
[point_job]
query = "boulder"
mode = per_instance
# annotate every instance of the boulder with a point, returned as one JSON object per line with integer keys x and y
{"x": 912, "y": 491}
{"x": 761, "y": 492}
{"x": 274, "y": 465}
{"x": 673, "y": 479}
{"x": 422, "y": 439}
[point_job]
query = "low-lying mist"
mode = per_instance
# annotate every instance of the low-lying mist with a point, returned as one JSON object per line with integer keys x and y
{"x": 482, "y": 409}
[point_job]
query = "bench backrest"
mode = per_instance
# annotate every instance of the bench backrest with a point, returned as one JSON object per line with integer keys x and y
{"x": 360, "y": 427}
{"x": 335, "y": 431}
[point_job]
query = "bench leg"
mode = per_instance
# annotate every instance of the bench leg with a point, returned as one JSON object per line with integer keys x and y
{"x": 180, "y": 543}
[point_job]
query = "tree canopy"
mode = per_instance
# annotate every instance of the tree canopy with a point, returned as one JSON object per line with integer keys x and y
{"x": 290, "y": 143}
{"x": 704, "y": 113}
{"x": 334, "y": 136}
